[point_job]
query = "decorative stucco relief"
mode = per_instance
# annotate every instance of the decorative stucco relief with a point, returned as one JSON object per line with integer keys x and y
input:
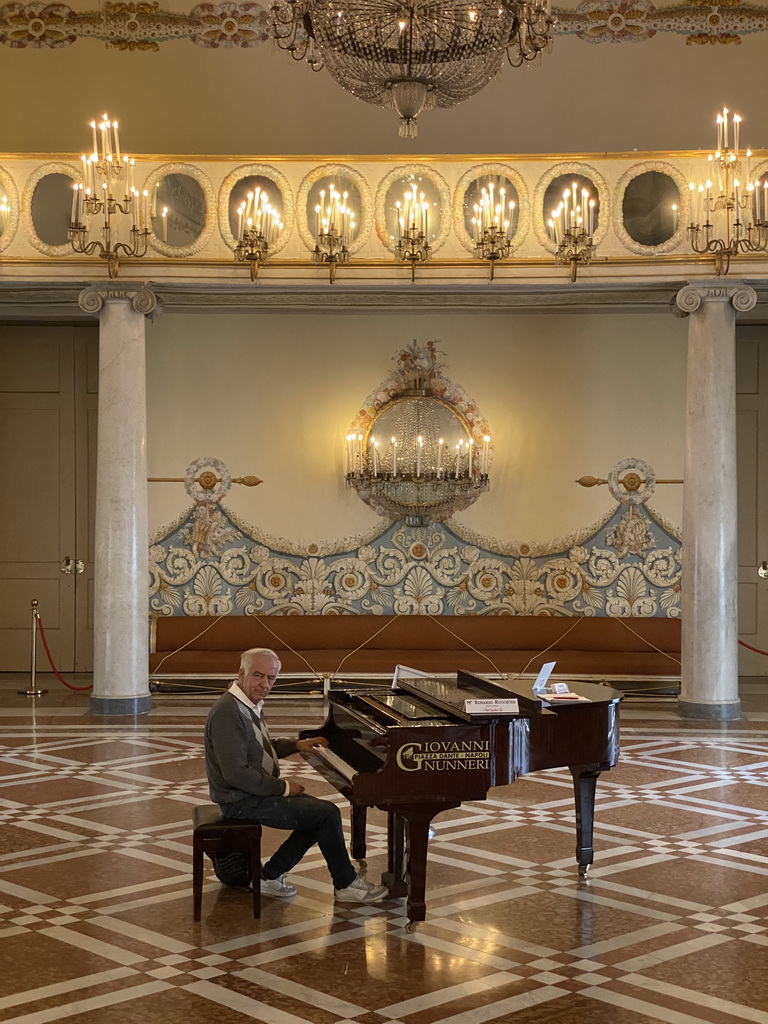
{"x": 210, "y": 563}
{"x": 140, "y": 25}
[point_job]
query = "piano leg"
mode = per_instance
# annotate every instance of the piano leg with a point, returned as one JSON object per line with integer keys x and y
{"x": 584, "y": 787}
{"x": 394, "y": 876}
{"x": 416, "y": 818}
{"x": 358, "y": 822}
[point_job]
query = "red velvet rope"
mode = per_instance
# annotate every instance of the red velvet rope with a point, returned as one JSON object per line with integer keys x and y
{"x": 50, "y": 659}
{"x": 755, "y": 649}
{"x": 70, "y": 687}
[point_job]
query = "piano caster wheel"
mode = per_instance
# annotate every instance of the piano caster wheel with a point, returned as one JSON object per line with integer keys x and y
{"x": 362, "y": 864}
{"x": 411, "y": 927}
{"x": 583, "y": 869}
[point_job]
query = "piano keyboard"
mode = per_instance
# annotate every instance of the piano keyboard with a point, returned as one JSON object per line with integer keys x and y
{"x": 334, "y": 761}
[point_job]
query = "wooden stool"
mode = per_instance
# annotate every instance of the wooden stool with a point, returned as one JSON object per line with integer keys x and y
{"x": 215, "y": 834}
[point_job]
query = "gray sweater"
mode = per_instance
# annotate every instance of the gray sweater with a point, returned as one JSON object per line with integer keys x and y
{"x": 233, "y": 754}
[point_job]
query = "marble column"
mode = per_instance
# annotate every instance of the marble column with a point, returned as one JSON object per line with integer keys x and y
{"x": 710, "y": 680}
{"x": 120, "y": 669}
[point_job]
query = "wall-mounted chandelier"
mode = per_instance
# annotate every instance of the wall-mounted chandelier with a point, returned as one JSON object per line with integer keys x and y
{"x": 418, "y": 455}
{"x": 258, "y": 226}
{"x": 492, "y": 224}
{"x": 335, "y": 228}
{"x": 572, "y": 228}
{"x": 412, "y": 55}
{"x": 107, "y": 203}
{"x": 728, "y": 209}
{"x": 412, "y": 215}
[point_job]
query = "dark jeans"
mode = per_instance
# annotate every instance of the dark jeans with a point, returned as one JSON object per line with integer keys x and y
{"x": 312, "y": 820}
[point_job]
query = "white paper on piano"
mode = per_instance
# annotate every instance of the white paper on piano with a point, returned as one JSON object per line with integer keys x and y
{"x": 492, "y": 706}
{"x": 540, "y": 682}
{"x": 408, "y": 673}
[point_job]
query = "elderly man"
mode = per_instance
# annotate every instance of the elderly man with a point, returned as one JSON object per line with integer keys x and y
{"x": 244, "y": 778}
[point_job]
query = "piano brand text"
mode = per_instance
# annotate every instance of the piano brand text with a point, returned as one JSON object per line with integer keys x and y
{"x": 444, "y": 755}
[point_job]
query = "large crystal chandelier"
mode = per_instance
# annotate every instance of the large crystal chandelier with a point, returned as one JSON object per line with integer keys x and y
{"x": 412, "y": 55}
{"x": 414, "y": 453}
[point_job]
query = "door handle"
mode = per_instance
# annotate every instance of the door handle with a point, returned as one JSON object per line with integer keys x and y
{"x": 762, "y": 570}
{"x": 69, "y": 566}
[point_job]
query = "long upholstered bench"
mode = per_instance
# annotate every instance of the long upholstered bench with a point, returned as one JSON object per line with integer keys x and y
{"x": 347, "y": 645}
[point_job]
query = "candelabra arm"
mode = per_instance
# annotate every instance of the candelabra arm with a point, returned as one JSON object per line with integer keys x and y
{"x": 722, "y": 263}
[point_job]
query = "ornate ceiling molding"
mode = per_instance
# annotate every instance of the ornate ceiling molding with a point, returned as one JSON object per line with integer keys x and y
{"x": 146, "y": 26}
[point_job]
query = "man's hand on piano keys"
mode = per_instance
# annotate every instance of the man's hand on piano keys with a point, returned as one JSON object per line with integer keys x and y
{"x": 307, "y": 745}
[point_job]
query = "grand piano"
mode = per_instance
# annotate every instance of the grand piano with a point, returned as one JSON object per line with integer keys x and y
{"x": 414, "y": 751}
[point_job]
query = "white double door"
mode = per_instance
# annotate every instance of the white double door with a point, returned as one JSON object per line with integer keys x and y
{"x": 48, "y": 407}
{"x": 752, "y": 419}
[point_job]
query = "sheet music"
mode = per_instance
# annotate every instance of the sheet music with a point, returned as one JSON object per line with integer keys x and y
{"x": 408, "y": 673}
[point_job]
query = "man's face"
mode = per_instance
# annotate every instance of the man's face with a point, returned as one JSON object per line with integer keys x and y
{"x": 258, "y": 679}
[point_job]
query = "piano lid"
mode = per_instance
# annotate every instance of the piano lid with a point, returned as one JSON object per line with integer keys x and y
{"x": 450, "y": 696}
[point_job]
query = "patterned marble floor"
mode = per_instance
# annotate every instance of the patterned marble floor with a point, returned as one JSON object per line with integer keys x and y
{"x": 96, "y": 911}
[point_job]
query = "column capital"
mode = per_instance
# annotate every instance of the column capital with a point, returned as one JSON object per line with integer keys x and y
{"x": 142, "y": 299}
{"x": 736, "y": 293}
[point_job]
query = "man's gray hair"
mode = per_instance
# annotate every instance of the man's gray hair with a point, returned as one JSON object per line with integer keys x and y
{"x": 246, "y": 658}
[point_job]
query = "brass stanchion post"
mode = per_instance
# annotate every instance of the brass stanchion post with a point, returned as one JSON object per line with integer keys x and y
{"x": 34, "y": 690}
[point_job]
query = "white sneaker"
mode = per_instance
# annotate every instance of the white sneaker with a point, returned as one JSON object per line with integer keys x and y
{"x": 277, "y": 887}
{"x": 361, "y": 891}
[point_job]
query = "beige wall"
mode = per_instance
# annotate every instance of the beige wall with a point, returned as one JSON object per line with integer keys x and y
{"x": 274, "y": 394}
{"x": 658, "y": 94}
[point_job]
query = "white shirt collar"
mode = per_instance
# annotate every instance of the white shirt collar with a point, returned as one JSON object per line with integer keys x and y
{"x": 238, "y": 694}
